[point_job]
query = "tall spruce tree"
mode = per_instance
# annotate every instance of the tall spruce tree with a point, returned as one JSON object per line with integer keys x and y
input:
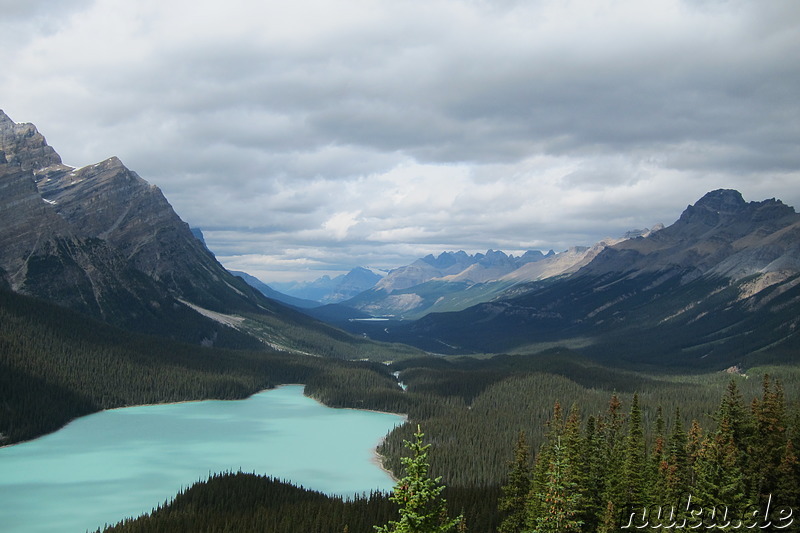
{"x": 676, "y": 468}
{"x": 634, "y": 466}
{"x": 513, "y": 500}
{"x": 658, "y": 459}
{"x": 769, "y": 441}
{"x": 595, "y": 474}
{"x": 422, "y": 508}
{"x": 787, "y": 485}
{"x": 694, "y": 442}
{"x": 719, "y": 478}
{"x": 613, "y": 457}
{"x": 560, "y": 498}
{"x": 733, "y": 408}
{"x": 555, "y": 428}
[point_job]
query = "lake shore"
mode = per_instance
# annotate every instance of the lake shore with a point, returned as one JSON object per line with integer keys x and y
{"x": 280, "y": 434}
{"x": 377, "y": 458}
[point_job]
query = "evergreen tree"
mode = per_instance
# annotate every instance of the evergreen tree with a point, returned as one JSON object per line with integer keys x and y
{"x": 613, "y": 458}
{"x": 732, "y": 407}
{"x": 555, "y": 428}
{"x": 595, "y": 474}
{"x": 720, "y": 481}
{"x": 572, "y": 444}
{"x": 560, "y": 499}
{"x": 675, "y": 470}
{"x": 658, "y": 460}
{"x": 787, "y": 485}
{"x": 694, "y": 442}
{"x": 574, "y": 448}
{"x": 634, "y": 466}
{"x": 609, "y": 518}
{"x": 422, "y": 508}
{"x": 512, "y": 502}
{"x": 769, "y": 441}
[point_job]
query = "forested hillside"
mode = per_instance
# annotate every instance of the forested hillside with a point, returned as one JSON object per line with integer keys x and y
{"x": 56, "y": 365}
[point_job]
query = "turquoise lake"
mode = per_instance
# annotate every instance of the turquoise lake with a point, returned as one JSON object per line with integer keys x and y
{"x": 124, "y": 462}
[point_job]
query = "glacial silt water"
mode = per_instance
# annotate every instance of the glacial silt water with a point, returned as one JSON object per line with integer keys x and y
{"x": 124, "y": 462}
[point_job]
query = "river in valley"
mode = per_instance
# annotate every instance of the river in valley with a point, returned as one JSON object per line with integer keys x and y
{"x": 124, "y": 462}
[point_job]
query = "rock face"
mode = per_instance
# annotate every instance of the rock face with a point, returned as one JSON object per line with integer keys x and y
{"x": 25, "y": 218}
{"x": 101, "y": 240}
{"x": 24, "y": 146}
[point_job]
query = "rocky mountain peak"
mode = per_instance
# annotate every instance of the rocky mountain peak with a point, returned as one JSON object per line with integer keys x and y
{"x": 722, "y": 200}
{"x": 448, "y": 259}
{"x": 24, "y": 146}
{"x": 721, "y": 234}
{"x": 725, "y": 207}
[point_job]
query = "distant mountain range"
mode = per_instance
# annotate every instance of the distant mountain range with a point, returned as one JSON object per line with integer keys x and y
{"x": 456, "y": 280}
{"x": 431, "y": 283}
{"x": 327, "y": 290}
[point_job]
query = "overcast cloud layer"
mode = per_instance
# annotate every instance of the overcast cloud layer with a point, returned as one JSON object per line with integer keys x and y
{"x": 313, "y": 136}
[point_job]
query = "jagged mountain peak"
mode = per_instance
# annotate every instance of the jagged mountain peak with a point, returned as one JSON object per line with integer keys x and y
{"x": 446, "y": 259}
{"x": 726, "y": 206}
{"x": 720, "y": 234}
{"x": 24, "y": 146}
{"x": 722, "y": 200}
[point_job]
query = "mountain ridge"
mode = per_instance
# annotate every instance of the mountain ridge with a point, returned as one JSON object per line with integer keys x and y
{"x": 454, "y": 281}
{"x": 720, "y": 234}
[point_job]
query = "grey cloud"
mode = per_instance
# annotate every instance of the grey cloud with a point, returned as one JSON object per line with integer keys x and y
{"x": 16, "y": 10}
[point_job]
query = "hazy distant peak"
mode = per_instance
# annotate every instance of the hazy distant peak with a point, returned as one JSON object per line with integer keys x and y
{"x": 447, "y": 259}
{"x": 534, "y": 255}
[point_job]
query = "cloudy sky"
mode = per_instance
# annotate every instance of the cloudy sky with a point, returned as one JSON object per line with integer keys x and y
{"x": 311, "y": 136}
